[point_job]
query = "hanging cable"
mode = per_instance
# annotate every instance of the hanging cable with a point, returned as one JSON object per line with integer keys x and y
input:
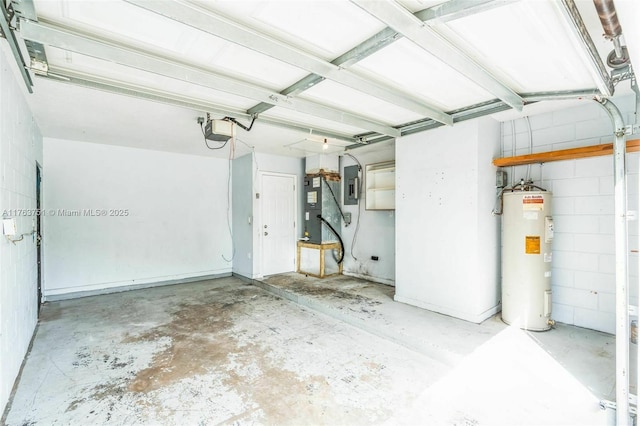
{"x": 513, "y": 151}
{"x": 530, "y": 146}
{"x": 324, "y": 179}
{"x": 359, "y": 193}
{"x": 323, "y": 220}
{"x": 207, "y": 143}
{"x": 229, "y": 168}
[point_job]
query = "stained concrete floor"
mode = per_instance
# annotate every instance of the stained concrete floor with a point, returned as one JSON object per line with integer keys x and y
{"x": 338, "y": 351}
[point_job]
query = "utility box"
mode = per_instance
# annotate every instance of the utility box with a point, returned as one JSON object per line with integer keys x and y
{"x": 351, "y": 185}
{"x": 321, "y": 198}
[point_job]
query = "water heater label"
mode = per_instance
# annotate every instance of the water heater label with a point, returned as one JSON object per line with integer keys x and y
{"x": 312, "y": 197}
{"x": 316, "y": 182}
{"x": 530, "y": 215}
{"x": 533, "y": 202}
{"x": 532, "y": 244}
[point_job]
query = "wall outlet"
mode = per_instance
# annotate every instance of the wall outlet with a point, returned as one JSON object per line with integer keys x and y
{"x": 347, "y": 218}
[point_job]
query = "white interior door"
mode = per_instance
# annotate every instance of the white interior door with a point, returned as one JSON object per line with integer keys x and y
{"x": 278, "y": 228}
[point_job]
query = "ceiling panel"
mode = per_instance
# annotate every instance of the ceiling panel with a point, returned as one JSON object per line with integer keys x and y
{"x": 412, "y": 69}
{"x": 120, "y": 21}
{"x": 325, "y": 28}
{"x": 526, "y": 44}
{"x": 340, "y": 96}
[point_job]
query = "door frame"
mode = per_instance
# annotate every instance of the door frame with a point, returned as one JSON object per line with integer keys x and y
{"x": 38, "y": 236}
{"x": 258, "y": 223}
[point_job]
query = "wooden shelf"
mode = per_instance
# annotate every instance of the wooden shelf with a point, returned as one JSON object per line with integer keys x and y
{"x": 380, "y": 186}
{"x": 564, "y": 154}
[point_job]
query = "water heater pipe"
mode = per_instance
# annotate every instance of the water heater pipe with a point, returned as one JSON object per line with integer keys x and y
{"x": 621, "y": 251}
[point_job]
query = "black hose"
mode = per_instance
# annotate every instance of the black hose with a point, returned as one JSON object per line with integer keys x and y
{"x": 323, "y": 220}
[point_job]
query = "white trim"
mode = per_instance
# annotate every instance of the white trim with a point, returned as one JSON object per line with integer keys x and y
{"x": 114, "y": 287}
{"x": 477, "y": 318}
{"x": 386, "y": 281}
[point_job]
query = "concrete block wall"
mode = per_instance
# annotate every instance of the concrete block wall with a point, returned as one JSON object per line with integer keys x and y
{"x": 20, "y": 149}
{"x": 583, "y": 279}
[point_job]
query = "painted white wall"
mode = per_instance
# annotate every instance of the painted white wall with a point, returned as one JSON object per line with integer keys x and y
{"x": 447, "y": 240}
{"x": 276, "y": 164}
{"x": 243, "y": 179}
{"x": 583, "y": 279}
{"x": 176, "y": 227}
{"x": 377, "y": 232}
{"x": 20, "y": 149}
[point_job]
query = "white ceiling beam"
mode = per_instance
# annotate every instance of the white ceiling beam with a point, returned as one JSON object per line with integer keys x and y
{"x": 94, "y": 82}
{"x": 404, "y": 22}
{"x": 94, "y": 46}
{"x": 242, "y": 35}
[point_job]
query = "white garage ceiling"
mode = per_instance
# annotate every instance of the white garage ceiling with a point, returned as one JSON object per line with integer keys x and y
{"x": 140, "y": 72}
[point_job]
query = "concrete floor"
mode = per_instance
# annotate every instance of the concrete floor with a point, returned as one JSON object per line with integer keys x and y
{"x": 224, "y": 351}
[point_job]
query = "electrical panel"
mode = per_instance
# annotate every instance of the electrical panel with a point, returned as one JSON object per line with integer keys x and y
{"x": 351, "y": 185}
{"x": 501, "y": 179}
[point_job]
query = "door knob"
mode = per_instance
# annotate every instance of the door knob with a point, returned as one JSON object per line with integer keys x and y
{"x": 265, "y": 227}
{"x": 266, "y": 233}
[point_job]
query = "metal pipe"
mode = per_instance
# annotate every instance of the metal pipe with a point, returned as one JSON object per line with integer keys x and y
{"x": 621, "y": 250}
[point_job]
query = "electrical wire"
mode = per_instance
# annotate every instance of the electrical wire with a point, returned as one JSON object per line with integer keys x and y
{"x": 513, "y": 151}
{"x": 324, "y": 179}
{"x": 229, "y": 168}
{"x": 530, "y": 145}
{"x": 359, "y": 194}
{"x": 323, "y": 220}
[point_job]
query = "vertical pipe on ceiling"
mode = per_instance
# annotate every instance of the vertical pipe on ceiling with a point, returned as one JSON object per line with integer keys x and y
{"x": 622, "y": 280}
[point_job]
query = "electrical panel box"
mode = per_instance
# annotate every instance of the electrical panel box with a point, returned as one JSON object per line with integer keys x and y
{"x": 501, "y": 179}
{"x": 351, "y": 185}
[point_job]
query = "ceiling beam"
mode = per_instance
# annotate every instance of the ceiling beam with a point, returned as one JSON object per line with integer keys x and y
{"x": 378, "y": 41}
{"x": 94, "y": 46}
{"x": 168, "y": 98}
{"x": 7, "y": 33}
{"x": 400, "y": 19}
{"x": 456, "y": 9}
{"x": 361, "y": 51}
{"x": 478, "y": 110}
{"x": 249, "y": 38}
{"x": 446, "y": 11}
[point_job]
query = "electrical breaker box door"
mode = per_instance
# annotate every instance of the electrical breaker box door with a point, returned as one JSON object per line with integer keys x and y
{"x": 351, "y": 185}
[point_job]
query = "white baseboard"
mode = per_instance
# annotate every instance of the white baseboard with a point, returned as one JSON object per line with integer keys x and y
{"x": 370, "y": 278}
{"x": 97, "y": 289}
{"x": 475, "y": 318}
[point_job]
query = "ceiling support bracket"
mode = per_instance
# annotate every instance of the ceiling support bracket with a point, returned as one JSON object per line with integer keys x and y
{"x": 5, "y": 27}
